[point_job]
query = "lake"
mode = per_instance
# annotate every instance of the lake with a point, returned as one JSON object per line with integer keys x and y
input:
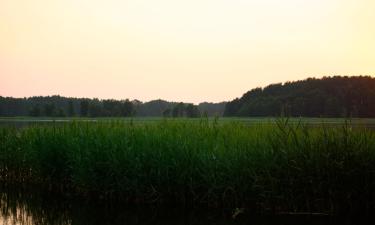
{"x": 44, "y": 209}
{"x": 328, "y": 122}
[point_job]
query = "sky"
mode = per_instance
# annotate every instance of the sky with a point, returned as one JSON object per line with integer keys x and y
{"x": 191, "y": 51}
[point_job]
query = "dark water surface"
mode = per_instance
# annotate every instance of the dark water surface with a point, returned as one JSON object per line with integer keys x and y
{"x": 44, "y": 209}
{"x": 19, "y": 123}
{"x": 368, "y": 123}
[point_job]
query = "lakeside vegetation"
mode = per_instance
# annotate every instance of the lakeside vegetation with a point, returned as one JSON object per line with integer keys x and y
{"x": 272, "y": 167}
{"x": 181, "y": 154}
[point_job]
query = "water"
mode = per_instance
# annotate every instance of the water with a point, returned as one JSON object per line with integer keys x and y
{"x": 37, "y": 208}
{"x": 19, "y": 123}
{"x": 312, "y": 122}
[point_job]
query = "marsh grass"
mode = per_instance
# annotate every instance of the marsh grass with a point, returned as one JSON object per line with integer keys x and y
{"x": 268, "y": 167}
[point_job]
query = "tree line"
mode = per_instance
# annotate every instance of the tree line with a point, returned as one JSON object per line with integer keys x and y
{"x": 58, "y": 106}
{"x": 338, "y": 96}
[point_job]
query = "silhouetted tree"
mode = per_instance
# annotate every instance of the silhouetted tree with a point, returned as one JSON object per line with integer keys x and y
{"x": 50, "y": 109}
{"x": 191, "y": 111}
{"x": 167, "y": 113}
{"x": 212, "y": 109}
{"x": 35, "y": 111}
{"x": 96, "y": 109}
{"x": 61, "y": 113}
{"x": 126, "y": 108}
{"x": 71, "y": 111}
{"x": 84, "y": 108}
{"x": 178, "y": 110}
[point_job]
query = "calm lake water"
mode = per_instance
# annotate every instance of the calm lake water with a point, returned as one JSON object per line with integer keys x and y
{"x": 328, "y": 122}
{"x": 44, "y": 209}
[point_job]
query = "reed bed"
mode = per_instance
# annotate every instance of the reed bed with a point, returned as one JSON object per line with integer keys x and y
{"x": 273, "y": 167}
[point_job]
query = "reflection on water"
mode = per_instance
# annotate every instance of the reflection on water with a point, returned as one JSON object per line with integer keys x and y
{"x": 19, "y": 208}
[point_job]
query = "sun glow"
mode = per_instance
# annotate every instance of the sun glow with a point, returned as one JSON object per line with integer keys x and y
{"x": 178, "y": 50}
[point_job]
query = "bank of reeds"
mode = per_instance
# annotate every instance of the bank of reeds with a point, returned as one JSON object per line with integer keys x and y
{"x": 275, "y": 167}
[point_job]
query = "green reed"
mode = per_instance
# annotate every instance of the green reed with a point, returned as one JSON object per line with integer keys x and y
{"x": 268, "y": 167}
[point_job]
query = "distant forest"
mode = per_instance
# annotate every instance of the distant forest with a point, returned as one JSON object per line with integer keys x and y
{"x": 327, "y": 97}
{"x": 58, "y": 106}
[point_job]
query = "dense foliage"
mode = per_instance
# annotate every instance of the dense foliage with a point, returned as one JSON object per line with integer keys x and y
{"x": 327, "y": 97}
{"x": 212, "y": 109}
{"x": 275, "y": 166}
{"x": 58, "y": 106}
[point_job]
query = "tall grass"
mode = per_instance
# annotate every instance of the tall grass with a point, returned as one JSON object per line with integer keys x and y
{"x": 268, "y": 167}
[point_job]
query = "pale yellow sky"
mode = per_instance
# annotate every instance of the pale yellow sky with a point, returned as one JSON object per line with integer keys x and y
{"x": 192, "y": 50}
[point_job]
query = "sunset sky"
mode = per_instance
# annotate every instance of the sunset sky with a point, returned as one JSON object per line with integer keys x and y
{"x": 191, "y": 50}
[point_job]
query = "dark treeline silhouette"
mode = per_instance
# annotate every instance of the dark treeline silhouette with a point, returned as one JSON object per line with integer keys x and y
{"x": 212, "y": 109}
{"x": 58, "y": 106}
{"x": 163, "y": 108}
{"x": 167, "y": 109}
{"x": 327, "y": 97}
